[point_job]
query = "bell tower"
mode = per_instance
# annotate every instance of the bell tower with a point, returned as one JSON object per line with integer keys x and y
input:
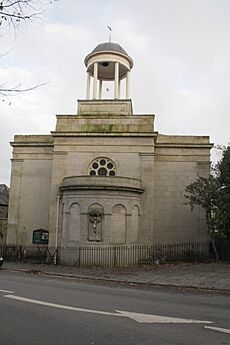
{"x": 107, "y": 62}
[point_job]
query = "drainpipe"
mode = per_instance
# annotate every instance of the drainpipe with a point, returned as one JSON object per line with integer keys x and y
{"x": 56, "y": 231}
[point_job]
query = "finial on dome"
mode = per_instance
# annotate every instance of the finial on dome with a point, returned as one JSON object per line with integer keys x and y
{"x": 110, "y": 30}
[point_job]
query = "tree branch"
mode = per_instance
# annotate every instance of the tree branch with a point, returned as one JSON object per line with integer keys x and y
{"x": 6, "y": 92}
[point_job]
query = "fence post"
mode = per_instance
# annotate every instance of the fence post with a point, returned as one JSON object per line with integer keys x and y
{"x": 79, "y": 257}
{"x": 114, "y": 256}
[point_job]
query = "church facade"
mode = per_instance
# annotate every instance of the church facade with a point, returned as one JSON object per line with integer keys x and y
{"x": 105, "y": 177}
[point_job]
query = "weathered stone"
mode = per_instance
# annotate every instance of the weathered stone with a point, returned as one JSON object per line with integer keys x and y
{"x": 137, "y": 196}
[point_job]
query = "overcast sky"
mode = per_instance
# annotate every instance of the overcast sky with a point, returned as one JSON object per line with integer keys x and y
{"x": 181, "y": 73}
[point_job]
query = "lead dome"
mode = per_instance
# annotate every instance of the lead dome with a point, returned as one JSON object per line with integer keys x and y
{"x": 109, "y": 46}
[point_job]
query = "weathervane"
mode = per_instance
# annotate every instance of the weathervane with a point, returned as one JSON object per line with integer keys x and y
{"x": 110, "y": 30}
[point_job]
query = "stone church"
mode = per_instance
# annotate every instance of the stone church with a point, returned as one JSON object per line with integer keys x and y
{"x": 104, "y": 176}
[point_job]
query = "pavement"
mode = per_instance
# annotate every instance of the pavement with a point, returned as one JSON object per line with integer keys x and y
{"x": 201, "y": 276}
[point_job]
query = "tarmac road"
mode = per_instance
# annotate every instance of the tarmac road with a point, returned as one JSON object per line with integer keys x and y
{"x": 51, "y": 311}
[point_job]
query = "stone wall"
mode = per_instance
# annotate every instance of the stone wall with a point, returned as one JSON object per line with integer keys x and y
{"x": 29, "y": 201}
{"x": 179, "y": 160}
{"x": 163, "y": 165}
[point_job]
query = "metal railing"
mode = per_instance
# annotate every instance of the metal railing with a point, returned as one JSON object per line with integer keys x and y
{"x": 133, "y": 255}
{"x": 223, "y": 249}
{"x": 34, "y": 254}
{"x": 110, "y": 256}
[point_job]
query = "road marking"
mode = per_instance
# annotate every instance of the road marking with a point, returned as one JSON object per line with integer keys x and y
{"x": 145, "y": 318}
{"x": 53, "y": 305}
{"x": 6, "y": 291}
{"x": 218, "y": 329}
{"x": 141, "y": 318}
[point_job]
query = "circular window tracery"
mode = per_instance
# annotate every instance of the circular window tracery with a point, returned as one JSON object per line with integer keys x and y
{"x": 102, "y": 167}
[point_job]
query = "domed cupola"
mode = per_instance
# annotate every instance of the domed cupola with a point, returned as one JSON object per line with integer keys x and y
{"x": 108, "y": 62}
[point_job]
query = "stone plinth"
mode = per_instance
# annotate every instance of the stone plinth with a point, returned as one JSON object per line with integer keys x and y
{"x": 105, "y": 106}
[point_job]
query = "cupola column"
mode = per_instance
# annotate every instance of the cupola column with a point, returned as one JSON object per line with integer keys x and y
{"x": 100, "y": 89}
{"x": 128, "y": 85}
{"x": 95, "y": 76}
{"x": 88, "y": 86}
{"x": 116, "y": 78}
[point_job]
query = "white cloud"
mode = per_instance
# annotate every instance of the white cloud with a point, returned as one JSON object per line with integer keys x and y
{"x": 181, "y": 65}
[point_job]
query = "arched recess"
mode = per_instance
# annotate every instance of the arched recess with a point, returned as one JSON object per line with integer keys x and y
{"x": 118, "y": 224}
{"x": 134, "y": 226}
{"x": 95, "y": 220}
{"x": 74, "y": 223}
{"x": 97, "y": 206}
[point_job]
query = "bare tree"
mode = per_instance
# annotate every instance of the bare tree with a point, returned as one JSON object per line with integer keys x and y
{"x": 13, "y": 14}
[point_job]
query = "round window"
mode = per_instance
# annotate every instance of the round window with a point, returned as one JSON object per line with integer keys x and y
{"x": 102, "y": 167}
{"x": 95, "y": 165}
{"x": 110, "y": 166}
{"x": 102, "y": 172}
